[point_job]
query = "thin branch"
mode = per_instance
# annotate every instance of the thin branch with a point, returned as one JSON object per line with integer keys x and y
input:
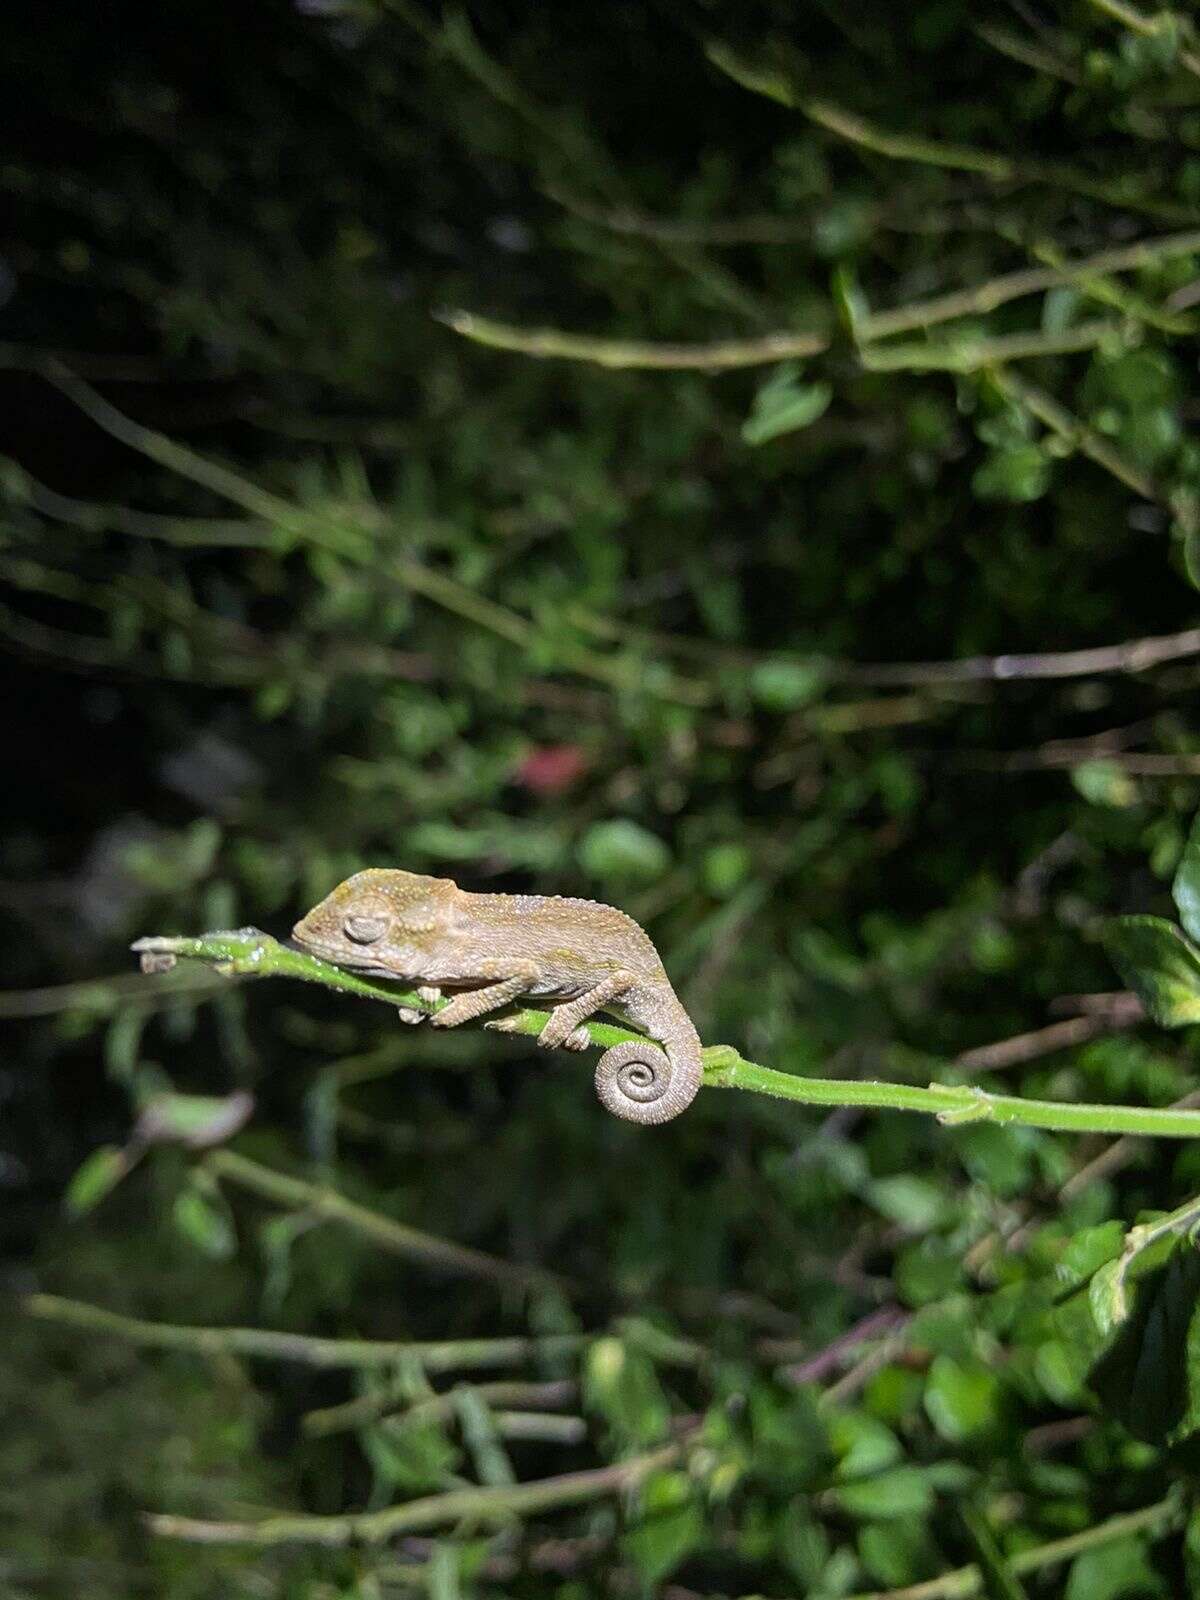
{"x": 1146, "y": 27}
{"x": 1094, "y": 445}
{"x": 397, "y": 1237}
{"x": 1153, "y": 1520}
{"x": 969, "y": 355}
{"x": 368, "y": 1408}
{"x": 622, "y": 354}
{"x": 489, "y": 1505}
{"x": 1024, "y": 1047}
{"x": 251, "y": 953}
{"x": 446, "y": 1355}
{"x": 1134, "y": 655}
{"x": 1124, "y": 193}
{"x": 999, "y": 291}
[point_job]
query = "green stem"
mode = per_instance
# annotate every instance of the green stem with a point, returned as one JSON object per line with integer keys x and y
{"x": 249, "y": 952}
{"x": 622, "y": 354}
{"x": 1157, "y": 1519}
{"x": 448, "y": 1355}
{"x": 1059, "y": 420}
{"x": 999, "y": 291}
{"x": 367, "y": 1408}
{"x": 397, "y": 1237}
{"x": 490, "y": 1505}
{"x": 968, "y": 355}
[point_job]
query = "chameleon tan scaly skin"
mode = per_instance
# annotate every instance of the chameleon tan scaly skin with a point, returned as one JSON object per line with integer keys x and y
{"x": 490, "y": 950}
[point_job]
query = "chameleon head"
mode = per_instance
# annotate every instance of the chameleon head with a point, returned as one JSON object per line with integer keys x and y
{"x": 379, "y": 921}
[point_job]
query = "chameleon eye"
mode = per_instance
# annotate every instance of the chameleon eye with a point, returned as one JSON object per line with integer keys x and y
{"x": 365, "y": 930}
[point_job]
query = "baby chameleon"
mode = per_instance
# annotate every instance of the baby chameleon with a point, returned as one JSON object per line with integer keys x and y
{"x": 493, "y": 949}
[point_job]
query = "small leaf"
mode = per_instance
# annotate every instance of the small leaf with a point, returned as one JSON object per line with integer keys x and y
{"x": 900, "y": 1492}
{"x": 1161, "y": 966}
{"x": 623, "y": 852}
{"x": 204, "y": 1220}
{"x": 961, "y": 1400}
{"x": 1105, "y": 783}
{"x": 784, "y": 406}
{"x": 1113, "y": 1570}
{"x": 196, "y": 1121}
{"x": 97, "y": 1176}
{"x": 782, "y": 685}
{"x": 1186, "y": 887}
{"x": 1107, "y": 1297}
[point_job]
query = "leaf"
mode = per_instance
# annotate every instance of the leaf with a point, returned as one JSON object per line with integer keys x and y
{"x": 1019, "y": 474}
{"x": 623, "y": 852}
{"x": 900, "y": 1492}
{"x": 97, "y": 1176}
{"x": 782, "y": 685}
{"x": 784, "y": 406}
{"x": 1149, "y": 1378}
{"x": 1185, "y": 890}
{"x": 672, "y": 1527}
{"x": 1113, "y": 1570}
{"x": 961, "y": 1400}
{"x": 204, "y": 1220}
{"x": 195, "y": 1121}
{"x": 1105, "y": 783}
{"x": 1087, "y": 1251}
{"x": 1161, "y": 966}
{"x": 999, "y": 1580}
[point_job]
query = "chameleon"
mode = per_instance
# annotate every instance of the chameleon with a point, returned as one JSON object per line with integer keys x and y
{"x": 491, "y": 950}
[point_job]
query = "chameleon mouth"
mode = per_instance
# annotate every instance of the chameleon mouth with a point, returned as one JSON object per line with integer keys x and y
{"x": 335, "y": 956}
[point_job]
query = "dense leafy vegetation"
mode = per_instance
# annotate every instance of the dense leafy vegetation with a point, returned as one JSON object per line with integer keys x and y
{"x": 736, "y": 462}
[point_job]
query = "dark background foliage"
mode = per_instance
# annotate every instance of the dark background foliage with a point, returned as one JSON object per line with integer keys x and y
{"x": 589, "y": 626}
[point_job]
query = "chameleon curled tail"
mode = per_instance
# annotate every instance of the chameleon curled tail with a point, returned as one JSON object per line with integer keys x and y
{"x": 643, "y": 1083}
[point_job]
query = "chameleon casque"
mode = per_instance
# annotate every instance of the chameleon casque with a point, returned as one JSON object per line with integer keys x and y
{"x": 491, "y": 950}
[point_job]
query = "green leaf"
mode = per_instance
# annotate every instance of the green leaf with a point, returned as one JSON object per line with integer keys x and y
{"x": 204, "y": 1220}
{"x": 900, "y": 1492}
{"x": 671, "y": 1528}
{"x": 1087, "y": 1251}
{"x": 1149, "y": 1378}
{"x": 1019, "y": 474}
{"x": 97, "y": 1176}
{"x": 1112, "y": 1570}
{"x": 622, "y": 1385}
{"x": 622, "y": 852}
{"x": 1186, "y": 887}
{"x": 195, "y": 1121}
{"x": 782, "y": 685}
{"x": 1161, "y": 966}
{"x": 784, "y": 406}
{"x": 1105, "y": 783}
{"x": 916, "y": 1203}
{"x": 961, "y": 1400}
{"x": 999, "y": 1580}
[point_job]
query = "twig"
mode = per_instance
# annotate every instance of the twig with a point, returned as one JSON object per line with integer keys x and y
{"x": 887, "y": 1320}
{"x": 1059, "y": 420}
{"x": 367, "y": 1408}
{"x": 446, "y": 1355}
{"x": 397, "y": 1237}
{"x": 1146, "y": 27}
{"x": 481, "y": 1505}
{"x": 252, "y": 953}
{"x": 1133, "y": 655}
{"x": 969, "y": 355}
{"x": 621, "y": 354}
{"x": 1024, "y": 1047}
{"x": 990, "y": 164}
{"x": 995, "y": 292}
{"x": 1154, "y": 1520}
